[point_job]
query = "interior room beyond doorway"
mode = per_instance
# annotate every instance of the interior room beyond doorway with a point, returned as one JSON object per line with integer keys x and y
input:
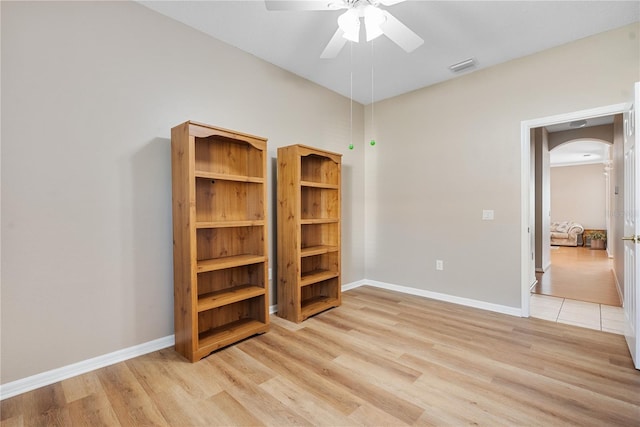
{"x": 579, "y": 273}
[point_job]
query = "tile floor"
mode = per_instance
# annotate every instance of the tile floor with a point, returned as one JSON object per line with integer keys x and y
{"x": 578, "y": 313}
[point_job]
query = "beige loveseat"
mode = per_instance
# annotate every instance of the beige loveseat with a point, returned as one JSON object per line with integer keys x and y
{"x": 565, "y": 233}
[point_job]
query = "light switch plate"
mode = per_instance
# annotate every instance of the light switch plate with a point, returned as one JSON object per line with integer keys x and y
{"x": 487, "y": 214}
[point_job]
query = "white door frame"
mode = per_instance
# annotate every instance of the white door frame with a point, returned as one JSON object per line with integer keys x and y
{"x": 525, "y": 157}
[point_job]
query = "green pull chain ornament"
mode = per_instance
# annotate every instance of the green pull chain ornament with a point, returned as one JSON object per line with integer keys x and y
{"x": 350, "y": 146}
{"x": 373, "y": 142}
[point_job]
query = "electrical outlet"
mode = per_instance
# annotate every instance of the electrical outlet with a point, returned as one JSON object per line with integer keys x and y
{"x": 270, "y": 274}
{"x": 439, "y": 264}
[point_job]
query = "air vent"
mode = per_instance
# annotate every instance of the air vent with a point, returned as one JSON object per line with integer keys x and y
{"x": 463, "y": 65}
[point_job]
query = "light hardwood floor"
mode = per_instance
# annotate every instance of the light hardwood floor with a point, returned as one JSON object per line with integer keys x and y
{"x": 581, "y": 274}
{"x": 382, "y": 358}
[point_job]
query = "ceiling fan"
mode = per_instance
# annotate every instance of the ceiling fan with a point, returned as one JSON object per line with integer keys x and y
{"x": 377, "y": 21}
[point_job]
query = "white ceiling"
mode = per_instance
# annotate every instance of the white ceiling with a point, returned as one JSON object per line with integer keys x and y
{"x": 491, "y": 32}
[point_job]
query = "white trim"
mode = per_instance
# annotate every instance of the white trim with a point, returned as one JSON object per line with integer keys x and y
{"x": 525, "y": 128}
{"x": 581, "y": 163}
{"x": 620, "y": 293}
{"x": 525, "y": 225}
{"x": 353, "y": 285}
{"x": 504, "y": 309}
{"x": 273, "y": 308}
{"x": 53, "y": 376}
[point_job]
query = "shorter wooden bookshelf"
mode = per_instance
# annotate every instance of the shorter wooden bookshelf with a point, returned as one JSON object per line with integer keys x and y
{"x": 309, "y": 270}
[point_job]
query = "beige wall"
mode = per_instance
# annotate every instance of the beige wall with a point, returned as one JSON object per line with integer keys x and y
{"x": 448, "y": 151}
{"x": 90, "y": 91}
{"x": 578, "y": 193}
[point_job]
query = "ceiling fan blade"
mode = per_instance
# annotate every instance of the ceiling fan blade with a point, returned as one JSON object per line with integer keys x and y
{"x": 304, "y": 4}
{"x": 400, "y": 33}
{"x": 335, "y": 45}
{"x": 390, "y": 2}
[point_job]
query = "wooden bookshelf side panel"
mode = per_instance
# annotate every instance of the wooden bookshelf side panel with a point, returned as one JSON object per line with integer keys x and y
{"x": 184, "y": 247}
{"x": 288, "y": 248}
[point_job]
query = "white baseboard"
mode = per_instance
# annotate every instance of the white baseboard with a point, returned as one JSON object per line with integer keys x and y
{"x": 353, "y": 285}
{"x": 504, "y": 309}
{"x": 53, "y": 376}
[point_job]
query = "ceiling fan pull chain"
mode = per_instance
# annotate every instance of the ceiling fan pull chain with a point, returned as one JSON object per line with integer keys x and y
{"x": 373, "y": 141}
{"x": 351, "y": 98}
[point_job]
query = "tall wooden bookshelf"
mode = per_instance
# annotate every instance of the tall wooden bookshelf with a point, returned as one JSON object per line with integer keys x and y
{"x": 309, "y": 196}
{"x": 219, "y": 237}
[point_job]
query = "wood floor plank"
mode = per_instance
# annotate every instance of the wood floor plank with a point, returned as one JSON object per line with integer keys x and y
{"x": 13, "y": 422}
{"x": 250, "y": 368}
{"x": 382, "y": 358}
{"x": 579, "y": 273}
{"x": 195, "y": 378}
{"x": 369, "y": 415}
{"x": 264, "y": 407}
{"x": 234, "y": 413}
{"x": 81, "y": 386}
{"x": 92, "y": 410}
{"x": 302, "y": 402}
{"x": 333, "y": 395}
{"x": 131, "y": 403}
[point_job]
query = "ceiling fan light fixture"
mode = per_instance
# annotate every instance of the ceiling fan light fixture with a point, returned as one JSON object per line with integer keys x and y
{"x": 349, "y": 23}
{"x": 373, "y": 19}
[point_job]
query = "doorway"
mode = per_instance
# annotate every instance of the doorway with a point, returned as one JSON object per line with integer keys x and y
{"x": 529, "y": 231}
{"x": 575, "y": 282}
